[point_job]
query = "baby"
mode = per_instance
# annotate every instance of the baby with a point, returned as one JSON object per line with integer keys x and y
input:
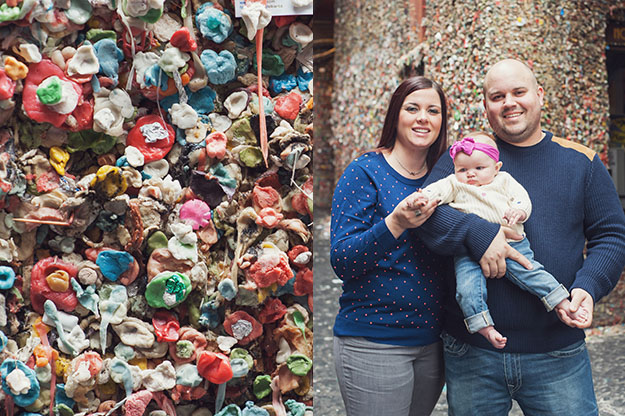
{"x": 478, "y": 187}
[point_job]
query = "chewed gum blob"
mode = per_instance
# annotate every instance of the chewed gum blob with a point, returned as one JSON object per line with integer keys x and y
{"x": 220, "y": 68}
{"x": 16, "y": 375}
{"x": 7, "y": 277}
{"x": 167, "y": 290}
{"x": 213, "y": 23}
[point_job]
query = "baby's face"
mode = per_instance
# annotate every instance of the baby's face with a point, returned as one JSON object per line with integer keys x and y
{"x": 477, "y": 169}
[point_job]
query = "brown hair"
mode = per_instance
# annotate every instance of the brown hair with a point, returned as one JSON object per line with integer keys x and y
{"x": 480, "y": 133}
{"x": 389, "y": 131}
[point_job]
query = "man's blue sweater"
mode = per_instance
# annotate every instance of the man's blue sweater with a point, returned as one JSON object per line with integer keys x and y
{"x": 573, "y": 201}
{"x": 391, "y": 288}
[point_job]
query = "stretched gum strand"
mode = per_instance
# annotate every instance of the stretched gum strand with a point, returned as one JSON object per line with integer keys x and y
{"x": 42, "y": 331}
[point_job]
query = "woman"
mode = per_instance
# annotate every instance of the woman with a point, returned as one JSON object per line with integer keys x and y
{"x": 387, "y": 349}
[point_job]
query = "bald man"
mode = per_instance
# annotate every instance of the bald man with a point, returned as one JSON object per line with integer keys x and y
{"x": 545, "y": 365}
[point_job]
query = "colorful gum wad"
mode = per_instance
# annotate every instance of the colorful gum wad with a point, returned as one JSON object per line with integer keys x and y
{"x": 9, "y": 11}
{"x": 190, "y": 344}
{"x": 236, "y": 103}
{"x": 90, "y": 360}
{"x": 51, "y": 270}
{"x": 7, "y": 86}
{"x": 111, "y": 261}
{"x": 214, "y": 366}
{"x": 7, "y": 277}
{"x": 262, "y": 386}
{"x": 167, "y": 85}
{"x": 109, "y": 56}
{"x": 303, "y": 79}
{"x": 180, "y": 392}
{"x": 299, "y": 255}
{"x": 162, "y": 260}
{"x": 153, "y": 137}
{"x": 299, "y": 364}
{"x": 268, "y": 218}
{"x": 282, "y": 83}
{"x": 14, "y": 68}
{"x": 255, "y": 17}
{"x": 139, "y": 10}
{"x": 242, "y": 326}
{"x": 109, "y": 182}
{"x": 272, "y": 311}
{"x": 44, "y": 355}
{"x": 183, "y": 40}
{"x": 265, "y": 197}
{"x": 271, "y": 267}
{"x": 166, "y": 326}
{"x": 20, "y": 382}
{"x": 220, "y": 67}
{"x": 197, "y": 213}
{"x": 216, "y": 145}
{"x": 41, "y": 112}
{"x": 114, "y": 263}
{"x": 303, "y": 282}
{"x": 58, "y": 159}
{"x": 213, "y": 23}
{"x": 187, "y": 375}
{"x": 83, "y": 65}
{"x": 242, "y": 354}
{"x": 137, "y": 402}
{"x": 301, "y": 202}
{"x": 156, "y": 241}
{"x": 272, "y": 64}
{"x": 288, "y": 106}
{"x": 167, "y": 290}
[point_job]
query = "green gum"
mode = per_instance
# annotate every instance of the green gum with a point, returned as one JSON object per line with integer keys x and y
{"x": 184, "y": 349}
{"x": 51, "y": 93}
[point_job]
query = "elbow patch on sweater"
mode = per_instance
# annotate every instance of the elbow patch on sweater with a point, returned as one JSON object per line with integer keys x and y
{"x": 589, "y": 153}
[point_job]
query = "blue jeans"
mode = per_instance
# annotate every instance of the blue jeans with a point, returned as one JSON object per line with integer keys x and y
{"x": 391, "y": 380}
{"x": 482, "y": 382}
{"x": 471, "y": 292}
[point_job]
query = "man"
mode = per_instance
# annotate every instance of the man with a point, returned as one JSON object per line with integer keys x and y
{"x": 545, "y": 365}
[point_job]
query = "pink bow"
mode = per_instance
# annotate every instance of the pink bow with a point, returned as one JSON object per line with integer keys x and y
{"x": 468, "y": 145}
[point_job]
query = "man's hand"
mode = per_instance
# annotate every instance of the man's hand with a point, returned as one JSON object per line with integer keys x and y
{"x": 493, "y": 262}
{"x": 582, "y": 305}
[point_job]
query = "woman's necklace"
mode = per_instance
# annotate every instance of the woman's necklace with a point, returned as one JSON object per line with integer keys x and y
{"x": 409, "y": 171}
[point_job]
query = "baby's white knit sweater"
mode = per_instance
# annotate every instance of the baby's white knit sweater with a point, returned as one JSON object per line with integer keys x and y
{"x": 487, "y": 201}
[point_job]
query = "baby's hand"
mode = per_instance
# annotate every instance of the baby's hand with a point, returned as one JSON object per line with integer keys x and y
{"x": 513, "y": 216}
{"x": 417, "y": 200}
{"x": 577, "y": 319}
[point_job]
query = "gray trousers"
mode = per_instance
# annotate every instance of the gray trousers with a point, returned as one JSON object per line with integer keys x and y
{"x": 379, "y": 379}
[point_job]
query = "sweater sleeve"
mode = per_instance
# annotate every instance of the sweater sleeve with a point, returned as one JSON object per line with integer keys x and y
{"x": 449, "y": 231}
{"x": 356, "y": 241}
{"x": 519, "y": 198}
{"x": 442, "y": 189}
{"x": 604, "y": 225}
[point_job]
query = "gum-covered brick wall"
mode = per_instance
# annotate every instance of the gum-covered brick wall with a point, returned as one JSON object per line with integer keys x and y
{"x": 155, "y": 214}
{"x": 369, "y": 37}
{"x": 564, "y": 43}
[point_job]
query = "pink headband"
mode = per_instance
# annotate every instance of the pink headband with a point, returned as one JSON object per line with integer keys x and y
{"x": 468, "y": 145}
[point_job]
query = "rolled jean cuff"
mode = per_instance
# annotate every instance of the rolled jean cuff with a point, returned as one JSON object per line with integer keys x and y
{"x": 478, "y": 321}
{"x": 556, "y": 296}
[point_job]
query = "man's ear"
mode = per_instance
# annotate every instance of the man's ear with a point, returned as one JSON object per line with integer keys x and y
{"x": 541, "y": 95}
{"x": 498, "y": 165}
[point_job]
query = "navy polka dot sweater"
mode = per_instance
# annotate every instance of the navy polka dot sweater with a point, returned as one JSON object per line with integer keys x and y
{"x": 392, "y": 289}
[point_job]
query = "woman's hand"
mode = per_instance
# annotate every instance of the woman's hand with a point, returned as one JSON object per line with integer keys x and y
{"x": 411, "y": 212}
